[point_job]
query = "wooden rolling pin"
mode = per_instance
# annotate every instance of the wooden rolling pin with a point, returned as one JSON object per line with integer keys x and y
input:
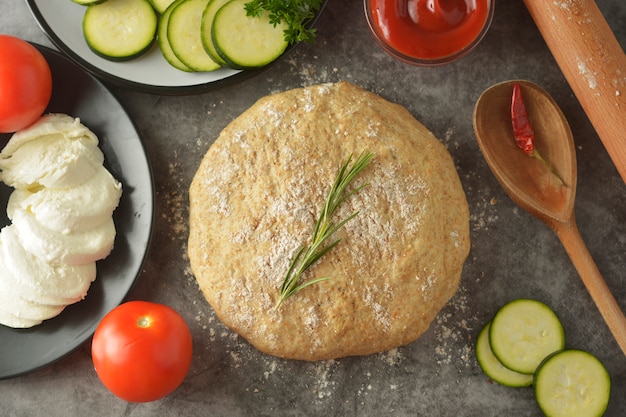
{"x": 593, "y": 63}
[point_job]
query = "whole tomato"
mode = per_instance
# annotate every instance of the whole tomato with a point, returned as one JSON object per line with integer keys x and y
{"x": 142, "y": 351}
{"x": 25, "y": 84}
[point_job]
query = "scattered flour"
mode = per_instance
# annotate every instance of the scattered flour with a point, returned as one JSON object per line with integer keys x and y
{"x": 589, "y": 76}
{"x": 453, "y": 331}
{"x": 484, "y": 214}
{"x": 175, "y": 212}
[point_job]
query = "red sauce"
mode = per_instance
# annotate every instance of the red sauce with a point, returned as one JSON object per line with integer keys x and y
{"x": 429, "y": 29}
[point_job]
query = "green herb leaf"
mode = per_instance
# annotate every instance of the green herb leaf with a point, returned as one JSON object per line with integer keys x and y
{"x": 324, "y": 228}
{"x": 295, "y": 13}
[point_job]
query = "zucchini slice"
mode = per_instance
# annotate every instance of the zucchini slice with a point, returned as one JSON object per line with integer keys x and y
{"x": 572, "y": 383}
{"x": 120, "y": 30}
{"x": 247, "y": 41}
{"x": 208, "y": 16}
{"x": 161, "y": 5}
{"x": 523, "y": 333}
{"x": 492, "y": 367}
{"x": 164, "y": 43}
{"x": 88, "y": 2}
{"x": 184, "y": 35}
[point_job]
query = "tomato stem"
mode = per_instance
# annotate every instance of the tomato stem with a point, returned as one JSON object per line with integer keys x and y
{"x": 144, "y": 322}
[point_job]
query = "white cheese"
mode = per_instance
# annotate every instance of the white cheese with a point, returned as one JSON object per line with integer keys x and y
{"x": 51, "y": 161}
{"x": 16, "y": 307}
{"x": 62, "y": 219}
{"x": 77, "y": 248}
{"x": 39, "y": 281}
{"x": 10, "y": 320}
{"x": 70, "y": 209}
{"x": 49, "y": 124}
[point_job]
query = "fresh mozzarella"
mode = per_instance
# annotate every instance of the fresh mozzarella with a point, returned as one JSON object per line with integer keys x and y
{"x": 71, "y": 209}
{"x": 40, "y": 281}
{"x": 49, "y": 124}
{"x": 51, "y": 161}
{"x": 16, "y": 307}
{"x": 61, "y": 212}
{"x": 77, "y": 248}
{"x": 10, "y": 320}
{"x": 24, "y": 309}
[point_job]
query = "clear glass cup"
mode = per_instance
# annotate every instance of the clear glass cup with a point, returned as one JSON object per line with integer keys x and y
{"x": 443, "y": 25}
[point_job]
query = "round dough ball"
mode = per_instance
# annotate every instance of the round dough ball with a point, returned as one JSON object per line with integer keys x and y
{"x": 256, "y": 197}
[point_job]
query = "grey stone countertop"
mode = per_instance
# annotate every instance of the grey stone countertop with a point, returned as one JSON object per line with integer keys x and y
{"x": 513, "y": 255}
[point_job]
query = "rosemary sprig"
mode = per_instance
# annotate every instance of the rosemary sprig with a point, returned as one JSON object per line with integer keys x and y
{"x": 324, "y": 228}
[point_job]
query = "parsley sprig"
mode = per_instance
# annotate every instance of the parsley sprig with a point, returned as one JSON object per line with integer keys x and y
{"x": 324, "y": 228}
{"x": 295, "y": 13}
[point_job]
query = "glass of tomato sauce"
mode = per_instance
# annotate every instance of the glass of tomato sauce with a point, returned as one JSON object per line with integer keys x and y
{"x": 429, "y": 32}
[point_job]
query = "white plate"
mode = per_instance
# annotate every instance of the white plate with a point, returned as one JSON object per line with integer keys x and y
{"x": 62, "y": 21}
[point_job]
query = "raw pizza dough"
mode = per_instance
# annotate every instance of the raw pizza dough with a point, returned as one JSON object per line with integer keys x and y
{"x": 257, "y": 195}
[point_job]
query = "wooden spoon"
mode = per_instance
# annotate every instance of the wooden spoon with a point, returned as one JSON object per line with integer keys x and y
{"x": 548, "y": 193}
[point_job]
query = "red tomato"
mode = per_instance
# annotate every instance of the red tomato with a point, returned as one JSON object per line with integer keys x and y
{"x": 142, "y": 351}
{"x": 25, "y": 84}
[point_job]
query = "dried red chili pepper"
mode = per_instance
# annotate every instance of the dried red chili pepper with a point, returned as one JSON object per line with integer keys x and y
{"x": 523, "y": 132}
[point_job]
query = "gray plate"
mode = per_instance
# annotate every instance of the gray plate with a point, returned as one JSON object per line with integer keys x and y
{"x": 79, "y": 94}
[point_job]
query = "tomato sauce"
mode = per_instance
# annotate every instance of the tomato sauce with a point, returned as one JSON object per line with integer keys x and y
{"x": 429, "y": 29}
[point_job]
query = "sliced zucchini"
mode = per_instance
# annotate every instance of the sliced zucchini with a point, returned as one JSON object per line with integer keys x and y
{"x": 164, "y": 43}
{"x": 184, "y": 35}
{"x": 492, "y": 367}
{"x": 88, "y": 2}
{"x": 247, "y": 41}
{"x": 208, "y": 16}
{"x": 120, "y": 29}
{"x": 161, "y": 5}
{"x": 523, "y": 333}
{"x": 572, "y": 383}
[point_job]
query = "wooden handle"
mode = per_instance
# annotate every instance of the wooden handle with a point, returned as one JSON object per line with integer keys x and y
{"x": 593, "y": 63}
{"x": 591, "y": 277}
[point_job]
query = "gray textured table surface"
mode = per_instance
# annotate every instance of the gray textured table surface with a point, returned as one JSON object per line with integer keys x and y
{"x": 513, "y": 255}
